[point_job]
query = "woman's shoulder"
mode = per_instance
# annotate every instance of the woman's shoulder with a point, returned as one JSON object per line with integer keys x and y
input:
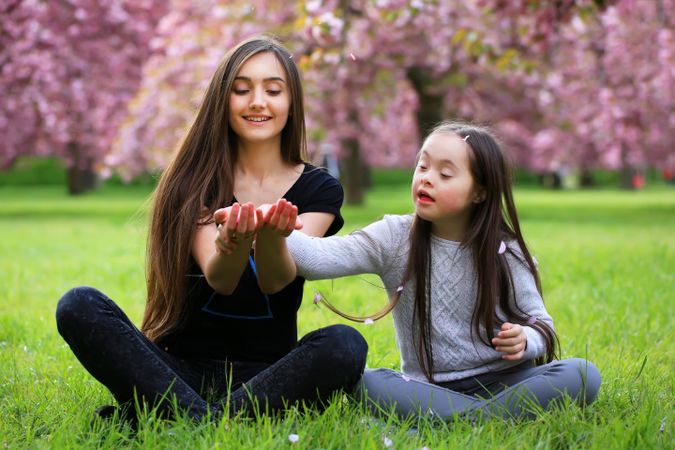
{"x": 313, "y": 181}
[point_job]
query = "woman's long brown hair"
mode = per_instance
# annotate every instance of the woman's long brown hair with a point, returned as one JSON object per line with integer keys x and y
{"x": 492, "y": 221}
{"x": 200, "y": 180}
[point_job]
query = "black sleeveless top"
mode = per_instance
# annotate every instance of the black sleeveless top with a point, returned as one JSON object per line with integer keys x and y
{"x": 249, "y": 325}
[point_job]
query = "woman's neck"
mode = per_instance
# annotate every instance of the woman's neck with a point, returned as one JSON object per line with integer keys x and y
{"x": 258, "y": 161}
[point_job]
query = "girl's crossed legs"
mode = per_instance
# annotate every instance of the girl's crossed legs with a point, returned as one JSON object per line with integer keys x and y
{"x": 509, "y": 393}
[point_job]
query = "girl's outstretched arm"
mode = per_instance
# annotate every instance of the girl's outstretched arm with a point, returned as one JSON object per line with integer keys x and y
{"x": 221, "y": 249}
{"x": 369, "y": 250}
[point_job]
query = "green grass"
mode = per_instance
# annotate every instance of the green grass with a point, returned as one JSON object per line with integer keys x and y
{"x": 607, "y": 260}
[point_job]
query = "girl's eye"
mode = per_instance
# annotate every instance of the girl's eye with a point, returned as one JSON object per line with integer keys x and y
{"x": 240, "y": 91}
{"x": 273, "y": 93}
{"x": 445, "y": 176}
{"x": 421, "y": 167}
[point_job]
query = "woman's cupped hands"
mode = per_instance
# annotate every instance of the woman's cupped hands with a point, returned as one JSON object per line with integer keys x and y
{"x": 241, "y": 224}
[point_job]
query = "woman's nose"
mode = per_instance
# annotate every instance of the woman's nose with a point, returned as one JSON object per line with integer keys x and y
{"x": 258, "y": 100}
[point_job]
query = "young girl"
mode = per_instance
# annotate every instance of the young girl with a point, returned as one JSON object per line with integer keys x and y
{"x": 221, "y": 317}
{"x": 471, "y": 326}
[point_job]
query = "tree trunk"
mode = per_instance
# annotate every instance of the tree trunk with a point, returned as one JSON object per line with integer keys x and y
{"x": 586, "y": 178}
{"x": 353, "y": 173}
{"x": 430, "y": 111}
{"x": 631, "y": 178}
{"x": 81, "y": 175}
{"x": 551, "y": 180}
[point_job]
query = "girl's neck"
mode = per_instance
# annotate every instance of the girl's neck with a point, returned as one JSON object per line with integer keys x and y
{"x": 454, "y": 230}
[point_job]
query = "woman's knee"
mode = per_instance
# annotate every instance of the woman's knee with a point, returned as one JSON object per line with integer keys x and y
{"x": 77, "y": 306}
{"x": 345, "y": 348}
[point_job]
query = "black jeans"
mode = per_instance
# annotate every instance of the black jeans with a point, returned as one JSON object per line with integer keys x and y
{"x": 119, "y": 355}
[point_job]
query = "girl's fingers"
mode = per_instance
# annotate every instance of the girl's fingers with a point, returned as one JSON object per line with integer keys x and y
{"x": 507, "y": 342}
{"x": 511, "y": 331}
{"x": 514, "y": 357}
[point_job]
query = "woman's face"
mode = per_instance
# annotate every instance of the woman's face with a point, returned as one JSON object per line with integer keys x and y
{"x": 260, "y": 100}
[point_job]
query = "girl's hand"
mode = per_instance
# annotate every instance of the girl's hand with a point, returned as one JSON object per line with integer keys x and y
{"x": 237, "y": 225}
{"x": 281, "y": 217}
{"x": 511, "y": 341}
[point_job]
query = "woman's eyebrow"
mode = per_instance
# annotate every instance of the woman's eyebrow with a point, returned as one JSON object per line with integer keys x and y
{"x": 264, "y": 79}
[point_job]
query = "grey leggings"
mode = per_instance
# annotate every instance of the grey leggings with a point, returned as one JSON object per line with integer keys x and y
{"x": 515, "y": 392}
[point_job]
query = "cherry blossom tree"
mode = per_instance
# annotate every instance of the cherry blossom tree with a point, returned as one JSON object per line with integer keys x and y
{"x": 558, "y": 80}
{"x": 67, "y": 71}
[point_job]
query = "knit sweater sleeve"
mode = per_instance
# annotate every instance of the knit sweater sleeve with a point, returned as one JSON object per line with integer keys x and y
{"x": 528, "y": 299}
{"x": 364, "y": 251}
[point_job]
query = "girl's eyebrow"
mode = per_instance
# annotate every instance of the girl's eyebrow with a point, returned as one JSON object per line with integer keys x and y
{"x": 264, "y": 79}
{"x": 442, "y": 161}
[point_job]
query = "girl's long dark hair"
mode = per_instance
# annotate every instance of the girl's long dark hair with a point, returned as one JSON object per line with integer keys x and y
{"x": 491, "y": 221}
{"x": 200, "y": 180}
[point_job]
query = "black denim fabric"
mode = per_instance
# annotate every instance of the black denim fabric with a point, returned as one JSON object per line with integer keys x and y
{"x": 119, "y": 355}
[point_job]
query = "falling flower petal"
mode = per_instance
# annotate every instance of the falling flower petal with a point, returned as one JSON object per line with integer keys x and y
{"x": 293, "y": 438}
{"x": 317, "y": 298}
{"x": 532, "y": 320}
{"x": 368, "y": 321}
{"x": 502, "y": 247}
{"x": 424, "y": 448}
{"x": 387, "y": 441}
{"x": 405, "y": 377}
{"x": 399, "y": 289}
{"x": 466, "y": 137}
{"x": 353, "y": 57}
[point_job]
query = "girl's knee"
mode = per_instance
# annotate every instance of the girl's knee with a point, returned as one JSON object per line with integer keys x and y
{"x": 587, "y": 378}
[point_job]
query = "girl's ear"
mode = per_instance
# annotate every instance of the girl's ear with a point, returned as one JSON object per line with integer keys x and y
{"x": 479, "y": 194}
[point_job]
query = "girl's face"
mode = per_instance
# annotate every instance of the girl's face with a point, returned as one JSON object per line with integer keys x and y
{"x": 443, "y": 188}
{"x": 260, "y": 100}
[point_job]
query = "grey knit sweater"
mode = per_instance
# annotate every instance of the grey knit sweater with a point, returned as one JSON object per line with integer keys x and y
{"x": 382, "y": 248}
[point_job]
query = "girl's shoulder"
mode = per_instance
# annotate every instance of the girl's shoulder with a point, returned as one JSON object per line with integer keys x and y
{"x": 396, "y": 227}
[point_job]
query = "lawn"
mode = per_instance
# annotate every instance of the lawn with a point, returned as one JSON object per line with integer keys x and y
{"x": 607, "y": 261}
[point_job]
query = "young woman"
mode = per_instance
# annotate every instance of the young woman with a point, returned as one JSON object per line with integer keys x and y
{"x": 471, "y": 326}
{"x": 219, "y": 331}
